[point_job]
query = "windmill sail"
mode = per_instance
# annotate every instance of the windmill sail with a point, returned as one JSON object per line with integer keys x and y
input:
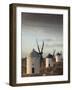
{"x": 42, "y": 47}
{"x": 54, "y": 53}
{"x": 38, "y": 46}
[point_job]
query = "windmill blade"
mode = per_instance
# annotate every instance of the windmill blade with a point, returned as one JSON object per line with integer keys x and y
{"x": 54, "y": 52}
{"x": 38, "y": 46}
{"x": 42, "y": 47}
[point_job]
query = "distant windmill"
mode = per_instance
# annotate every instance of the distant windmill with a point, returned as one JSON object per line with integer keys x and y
{"x": 40, "y": 51}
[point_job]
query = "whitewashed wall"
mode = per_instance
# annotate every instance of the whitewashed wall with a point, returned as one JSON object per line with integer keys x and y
{"x": 49, "y": 61}
{"x": 36, "y": 65}
{"x": 58, "y": 58}
{"x": 29, "y": 65}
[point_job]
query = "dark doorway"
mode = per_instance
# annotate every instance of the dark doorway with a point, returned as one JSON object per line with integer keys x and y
{"x": 32, "y": 70}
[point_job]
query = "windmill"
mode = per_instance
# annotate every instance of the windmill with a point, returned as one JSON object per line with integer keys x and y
{"x": 40, "y": 51}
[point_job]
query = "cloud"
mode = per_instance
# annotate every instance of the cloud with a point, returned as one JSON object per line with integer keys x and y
{"x": 54, "y": 45}
{"x": 49, "y": 39}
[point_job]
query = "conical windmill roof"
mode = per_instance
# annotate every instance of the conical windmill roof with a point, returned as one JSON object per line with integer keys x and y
{"x": 49, "y": 56}
{"x": 58, "y": 54}
{"x": 34, "y": 53}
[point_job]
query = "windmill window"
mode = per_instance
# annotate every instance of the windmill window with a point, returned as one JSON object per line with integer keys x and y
{"x": 49, "y": 65}
{"x": 33, "y": 70}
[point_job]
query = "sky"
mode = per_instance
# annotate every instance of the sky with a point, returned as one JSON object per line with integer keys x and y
{"x": 41, "y": 27}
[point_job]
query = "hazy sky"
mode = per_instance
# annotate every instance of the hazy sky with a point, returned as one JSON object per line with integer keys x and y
{"x": 41, "y": 27}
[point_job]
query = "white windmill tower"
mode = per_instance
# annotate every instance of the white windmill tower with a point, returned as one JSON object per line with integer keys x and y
{"x": 59, "y": 57}
{"x": 34, "y": 60}
{"x": 50, "y": 59}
